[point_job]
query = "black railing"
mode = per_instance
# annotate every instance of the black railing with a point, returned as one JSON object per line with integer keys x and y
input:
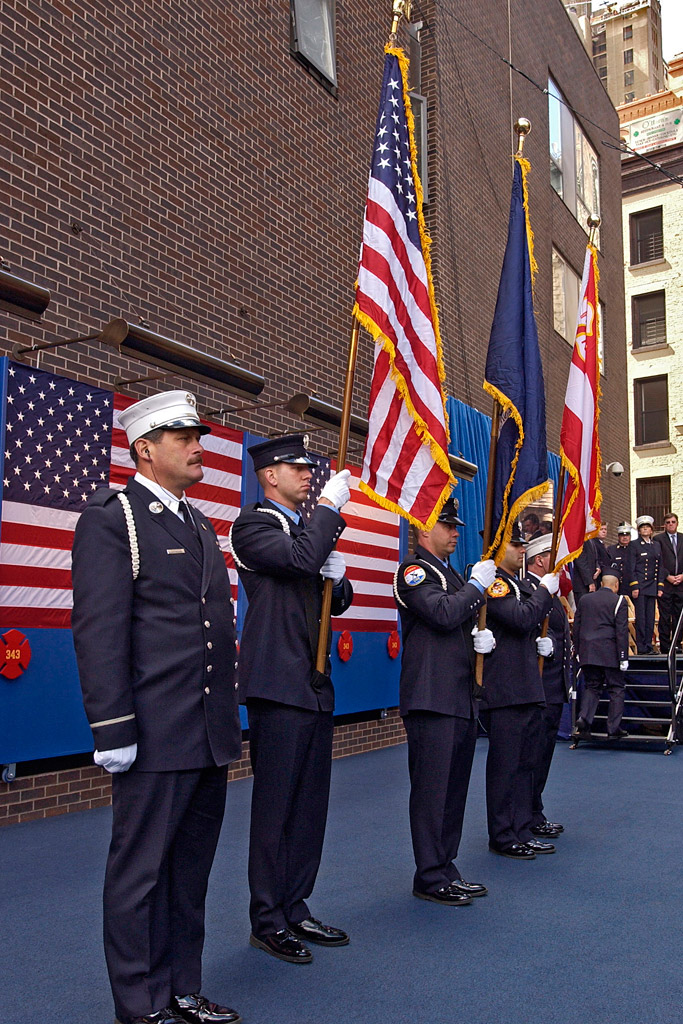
{"x": 675, "y": 687}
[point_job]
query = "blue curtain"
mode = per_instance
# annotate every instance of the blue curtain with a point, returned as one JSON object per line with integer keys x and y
{"x": 470, "y": 438}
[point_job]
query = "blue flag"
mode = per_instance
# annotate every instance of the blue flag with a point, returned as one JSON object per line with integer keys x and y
{"x": 514, "y": 377}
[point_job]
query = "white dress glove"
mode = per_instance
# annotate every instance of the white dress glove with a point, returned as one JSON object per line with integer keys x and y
{"x": 551, "y": 582}
{"x": 334, "y": 567}
{"x": 484, "y": 572}
{"x": 484, "y": 640}
{"x": 336, "y": 489}
{"x": 118, "y": 760}
{"x": 544, "y": 646}
{"x": 623, "y": 666}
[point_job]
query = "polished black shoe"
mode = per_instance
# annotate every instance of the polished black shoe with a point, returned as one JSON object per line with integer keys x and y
{"x": 518, "y": 851}
{"x": 447, "y": 894}
{"x": 556, "y": 825}
{"x": 620, "y": 734}
{"x": 196, "y": 1009}
{"x": 582, "y": 727}
{"x": 469, "y": 888}
{"x": 544, "y": 831}
{"x": 165, "y": 1016}
{"x": 321, "y": 934}
{"x": 284, "y": 946}
{"x": 537, "y": 847}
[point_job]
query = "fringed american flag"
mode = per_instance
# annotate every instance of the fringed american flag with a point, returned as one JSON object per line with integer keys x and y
{"x": 405, "y": 467}
{"x": 369, "y": 545}
{"x": 61, "y": 442}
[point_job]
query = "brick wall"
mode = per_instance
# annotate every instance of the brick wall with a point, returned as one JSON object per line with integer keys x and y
{"x": 80, "y": 789}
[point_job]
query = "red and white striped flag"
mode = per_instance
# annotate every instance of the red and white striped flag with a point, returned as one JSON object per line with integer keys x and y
{"x": 579, "y": 442}
{"x": 405, "y": 467}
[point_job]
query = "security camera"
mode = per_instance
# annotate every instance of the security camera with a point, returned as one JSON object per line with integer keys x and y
{"x": 615, "y": 468}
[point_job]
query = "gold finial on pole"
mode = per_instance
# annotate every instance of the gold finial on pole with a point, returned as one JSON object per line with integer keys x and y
{"x": 594, "y": 223}
{"x": 400, "y": 9}
{"x": 522, "y": 128}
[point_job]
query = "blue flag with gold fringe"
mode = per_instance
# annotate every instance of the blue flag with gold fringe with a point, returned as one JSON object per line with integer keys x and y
{"x": 514, "y": 377}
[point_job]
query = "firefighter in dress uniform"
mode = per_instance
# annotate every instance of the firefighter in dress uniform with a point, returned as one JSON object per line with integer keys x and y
{"x": 621, "y": 555}
{"x": 646, "y": 556}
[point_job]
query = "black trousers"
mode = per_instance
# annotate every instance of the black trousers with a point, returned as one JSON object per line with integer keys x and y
{"x": 595, "y": 677}
{"x": 291, "y": 757}
{"x": 550, "y": 723}
{"x": 514, "y": 739}
{"x": 645, "y": 621}
{"x": 440, "y": 754}
{"x": 164, "y": 835}
{"x": 670, "y": 606}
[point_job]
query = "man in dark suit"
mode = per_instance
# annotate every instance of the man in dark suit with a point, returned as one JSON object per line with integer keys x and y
{"x": 601, "y": 643}
{"x": 670, "y": 589}
{"x": 591, "y": 563}
{"x": 556, "y": 684}
{"x": 282, "y": 563}
{"x": 439, "y": 711}
{"x": 155, "y": 644}
{"x": 512, "y": 703}
{"x": 646, "y": 557}
{"x": 621, "y": 555}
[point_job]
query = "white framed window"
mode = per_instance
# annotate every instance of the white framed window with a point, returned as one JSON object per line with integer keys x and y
{"x": 313, "y": 38}
{"x": 566, "y": 291}
{"x": 574, "y": 164}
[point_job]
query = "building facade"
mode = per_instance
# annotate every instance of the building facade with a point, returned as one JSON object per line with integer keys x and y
{"x": 627, "y": 49}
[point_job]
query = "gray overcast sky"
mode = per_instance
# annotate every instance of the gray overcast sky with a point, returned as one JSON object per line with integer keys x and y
{"x": 672, "y": 27}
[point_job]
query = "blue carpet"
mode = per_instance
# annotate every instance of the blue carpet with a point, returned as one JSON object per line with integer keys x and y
{"x": 591, "y": 934}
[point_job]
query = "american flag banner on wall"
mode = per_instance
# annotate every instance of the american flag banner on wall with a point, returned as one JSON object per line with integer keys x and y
{"x": 61, "y": 443}
{"x": 405, "y": 467}
{"x": 370, "y": 546}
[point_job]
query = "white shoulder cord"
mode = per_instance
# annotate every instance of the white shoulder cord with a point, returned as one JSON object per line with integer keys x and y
{"x": 618, "y": 605}
{"x": 271, "y": 512}
{"x": 444, "y": 585}
{"x": 132, "y": 534}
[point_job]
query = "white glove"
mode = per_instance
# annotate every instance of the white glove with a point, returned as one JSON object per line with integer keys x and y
{"x": 551, "y": 582}
{"x": 544, "y": 646}
{"x": 118, "y": 760}
{"x": 484, "y": 640}
{"x": 334, "y": 567}
{"x": 484, "y": 572}
{"x": 336, "y": 489}
{"x": 623, "y": 666}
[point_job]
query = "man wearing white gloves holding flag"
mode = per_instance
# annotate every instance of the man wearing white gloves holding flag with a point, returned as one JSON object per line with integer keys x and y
{"x": 282, "y": 565}
{"x": 438, "y": 613}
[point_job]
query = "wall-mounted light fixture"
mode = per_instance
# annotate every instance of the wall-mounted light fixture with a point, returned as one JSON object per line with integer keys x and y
{"x": 325, "y": 415}
{"x": 20, "y": 297}
{"x": 137, "y": 342}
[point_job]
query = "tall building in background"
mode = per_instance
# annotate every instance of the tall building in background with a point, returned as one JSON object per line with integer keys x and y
{"x": 653, "y": 251}
{"x": 627, "y": 49}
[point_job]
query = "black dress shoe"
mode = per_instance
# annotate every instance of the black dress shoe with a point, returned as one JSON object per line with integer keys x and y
{"x": 447, "y": 894}
{"x": 545, "y": 831}
{"x": 196, "y": 1009}
{"x": 555, "y": 824}
{"x": 536, "y": 847}
{"x": 582, "y": 727}
{"x": 518, "y": 851}
{"x": 620, "y": 734}
{"x": 284, "y": 946}
{"x": 315, "y": 931}
{"x": 469, "y": 888}
{"x": 165, "y": 1016}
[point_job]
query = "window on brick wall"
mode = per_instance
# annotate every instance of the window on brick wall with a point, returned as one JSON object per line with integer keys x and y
{"x": 647, "y": 237}
{"x": 599, "y": 44}
{"x": 602, "y": 73}
{"x": 629, "y": 97}
{"x": 628, "y": 56}
{"x": 566, "y": 285}
{"x": 574, "y": 166}
{"x": 649, "y": 319}
{"x": 653, "y": 498}
{"x": 628, "y": 31}
{"x": 628, "y": 77}
{"x": 651, "y": 405}
{"x": 418, "y": 103}
{"x": 313, "y": 40}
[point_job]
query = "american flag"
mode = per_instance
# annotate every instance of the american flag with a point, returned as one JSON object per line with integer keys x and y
{"x": 579, "y": 442}
{"x": 61, "y": 443}
{"x": 370, "y": 546}
{"x": 405, "y": 467}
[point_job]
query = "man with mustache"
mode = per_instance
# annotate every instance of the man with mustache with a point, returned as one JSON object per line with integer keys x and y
{"x": 155, "y": 643}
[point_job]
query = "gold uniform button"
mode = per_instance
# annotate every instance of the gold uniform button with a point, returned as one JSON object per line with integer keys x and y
{"x": 235, "y": 664}
{"x": 207, "y": 690}
{"x": 206, "y": 623}
{"x": 209, "y": 645}
{"x": 237, "y": 686}
{"x": 203, "y": 600}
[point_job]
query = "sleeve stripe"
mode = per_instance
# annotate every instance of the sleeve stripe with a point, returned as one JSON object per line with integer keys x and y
{"x": 111, "y": 721}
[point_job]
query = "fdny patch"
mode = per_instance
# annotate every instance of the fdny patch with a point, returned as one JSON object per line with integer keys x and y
{"x": 498, "y": 588}
{"x": 413, "y": 575}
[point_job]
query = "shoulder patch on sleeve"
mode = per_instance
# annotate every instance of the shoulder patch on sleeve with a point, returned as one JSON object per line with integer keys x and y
{"x": 413, "y": 574}
{"x": 498, "y": 588}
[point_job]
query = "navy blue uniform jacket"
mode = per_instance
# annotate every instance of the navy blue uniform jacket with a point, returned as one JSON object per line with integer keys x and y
{"x": 279, "y": 565}
{"x": 646, "y": 557}
{"x": 601, "y": 629}
{"x": 156, "y": 656}
{"x": 557, "y": 672}
{"x": 622, "y": 566}
{"x": 437, "y": 616}
{"x": 514, "y": 612}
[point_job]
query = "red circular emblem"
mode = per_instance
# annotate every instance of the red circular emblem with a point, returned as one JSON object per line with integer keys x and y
{"x": 394, "y": 644}
{"x": 15, "y": 654}
{"x": 345, "y": 645}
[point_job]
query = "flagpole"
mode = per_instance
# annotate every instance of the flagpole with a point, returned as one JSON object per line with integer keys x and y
{"x": 522, "y": 128}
